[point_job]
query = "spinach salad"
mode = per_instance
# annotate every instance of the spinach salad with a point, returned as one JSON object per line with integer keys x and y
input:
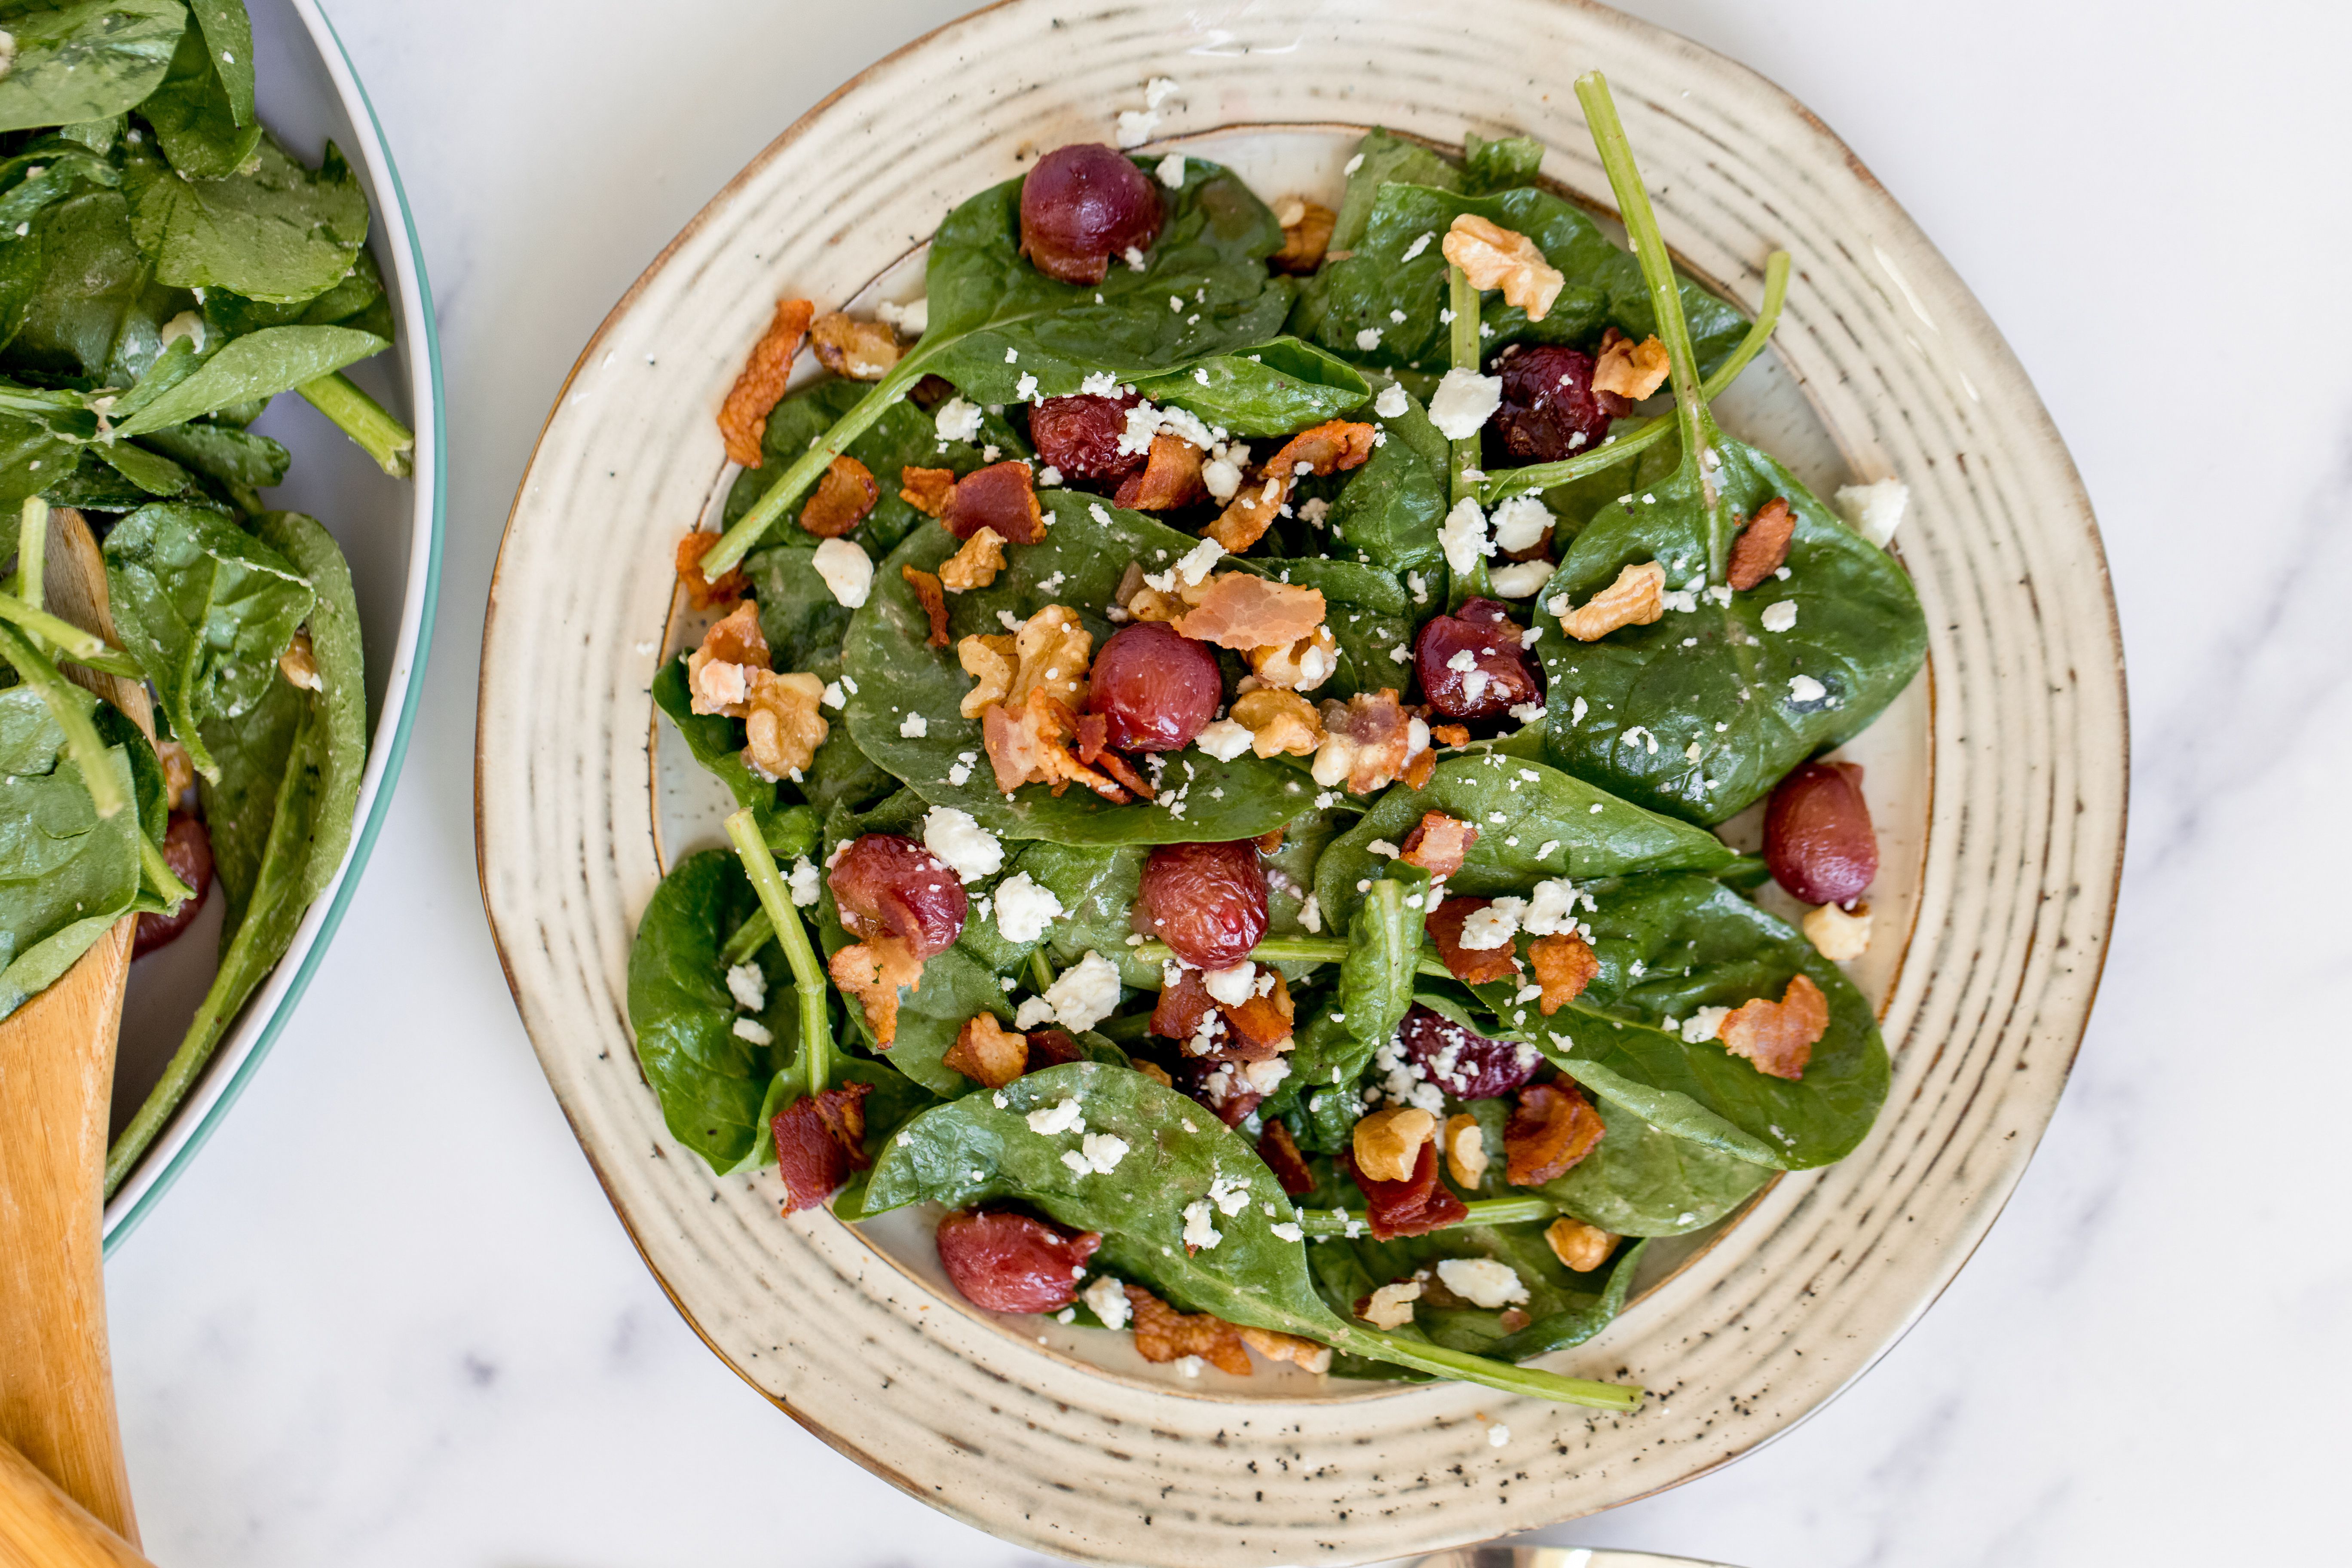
{"x": 1226, "y": 724}
{"x": 167, "y": 268}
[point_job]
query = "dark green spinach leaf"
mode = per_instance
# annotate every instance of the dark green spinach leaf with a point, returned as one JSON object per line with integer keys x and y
{"x": 281, "y": 233}
{"x": 194, "y": 111}
{"x": 259, "y": 365}
{"x": 66, "y": 873}
{"x": 1640, "y": 1181}
{"x": 88, "y": 61}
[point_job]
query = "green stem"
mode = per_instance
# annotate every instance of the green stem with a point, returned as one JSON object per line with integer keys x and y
{"x": 1041, "y": 972}
{"x": 1463, "y": 1367}
{"x": 753, "y": 934}
{"x": 1658, "y": 271}
{"x": 1463, "y": 456}
{"x": 82, "y": 743}
{"x": 795, "y": 480}
{"x": 1322, "y": 1223}
{"x": 808, "y": 974}
{"x": 363, "y": 419}
{"x": 87, "y": 649}
{"x": 160, "y": 876}
{"x": 1642, "y": 434}
{"x": 1293, "y": 950}
{"x": 33, "y": 553}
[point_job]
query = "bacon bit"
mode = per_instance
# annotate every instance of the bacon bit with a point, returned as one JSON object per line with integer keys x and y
{"x": 1052, "y": 1048}
{"x": 1418, "y": 769}
{"x": 844, "y": 496}
{"x": 820, "y": 1140}
{"x": 1635, "y": 599}
{"x": 927, "y": 490}
{"x": 743, "y": 418}
{"x": 1156, "y": 1073}
{"x": 1414, "y": 1207}
{"x": 1578, "y": 1245}
{"x": 1779, "y": 1037}
{"x": 1762, "y": 545}
{"x": 1242, "y": 612}
{"x": 1267, "y": 843}
{"x": 1492, "y": 257}
{"x": 862, "y": 350}
{"x": 1450, "y": 734}
{"x": 1050, "y": 653}
{"x": 1552, "y": 1128}
{"x": 1331, "y": 447}
{"x": 1119, "y": 768}
{"x": 1366, "y": 741}
{"x": 1031, "y": 745}
{"x": 934, "y": 600}
{"x": 719, "y": 673}
{"x": 1000, "y": 496}
{"x": 1261, "y": 1025}
{"x": 976, "y": 565}
{"x": 1304, "y": 1354}
{"x": 1170, "y": 477}
{"x": 1564, "y": 966}
{"x": 1093, "y": 737}
{"x": 782, "y": 724}
{"x": 1178, "y": 1014}
{"x": 1306, "y": 234}
{"x": 1279, "y": 1149}
{"x": 873, "y": 971}
{"x": 1163, "y": 1333}
{"x": 704, "y": 593}
{"x": 1437, "y": 843}
{"x": 1630, "y": 369}
{"x": 987, "y": 1051}
{"x": 1470, "y": 965}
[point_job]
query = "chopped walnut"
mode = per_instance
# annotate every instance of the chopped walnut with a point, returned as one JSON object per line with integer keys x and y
{"x": 1564, "y": 966}
{"x": 1241, "y": 612}
{"x": 1465, "y": 1151}
{"x": 987, "y": 1051}
{"x": 934, "y": 600}
{"x": 862, "y": 350}
{"x": 705, "y": 593}
{"x": 1578, "y": 1245}
{"x": 299, "y": 665}
{"x": 1050, "y": 653}
{"x": 1170, "y": 477}
{"x": 873, "y": 971}
{"x": 1279, "y": 722}
{"x": 179, "y": 769}
{"x": 1492, "y": 257}
{"x": 1029, "y": 742}
{"x": 991, "y": 662}
{"x": 1331, "y": 447}
{"x": 783, "y": 726}
{"x": 1635, "y": 599}
{"x": 1368, "y": 741}
{"x": 1306, "y": 234}
{"x": 743, "y": 418}
{"x": 1155, "y": 1072}
{"x": 1839, "y": 935}
{"x": 1779, "y": 1037}
{"x": 1163, "y": 1333}
{"x": 1388, "y": 1142}
{"x": 1762, "y": 545}
{"x": 1300, "y": 666}
{"x": 1629, "y": 369}
{"x": 1391, "y": 1306}
{"x": 1449, "y": 734}
{"x": 976, "y": 565}
{"x": 1437, "y": 843}
{"x": 844, "y": 493}
{"x": 1551, "y": 1129}
{"x": 927, "y": 490}
{"x": 1304, "y": 1354}
{"x": 718, "y": 674}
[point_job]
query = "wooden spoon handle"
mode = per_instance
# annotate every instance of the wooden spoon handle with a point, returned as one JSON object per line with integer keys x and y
{"x": 40, "y": 1527}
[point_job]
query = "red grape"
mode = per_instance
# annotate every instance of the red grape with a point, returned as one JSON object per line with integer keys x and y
{"x": 889, "y": 885}
{"x": 1206, "y": 901}
{"x": 1079, "y": 435}
{"x": 1156, "y": 687}
{"x": 1465, "y": 1066}
{"x": 1500, "y": 675}
{"x": 1817, "y": 834}
{"x": 189, "y": 852}
{"x": 1010, "y": 1262}
{"x": 1082, "y": 205}
{"x": 1550, "y": 410}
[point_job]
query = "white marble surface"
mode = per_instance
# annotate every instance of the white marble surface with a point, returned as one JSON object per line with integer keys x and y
{"x": 387, "y": 1318}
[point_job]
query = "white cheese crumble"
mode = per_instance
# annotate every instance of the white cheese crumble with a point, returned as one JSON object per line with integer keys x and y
{"x": 1463, "y": 536}
{"x": 1171, "y": 171}
{"x": 1023, "y": 910}
{"x": 1550, "y": 911}
{"x": 1107, "y": 1298}
{"x": 970, "y": 851}
{"x": 1311, "y": 915}
{"x": 1086, "y": 993}
{"x": 1420, "y": 244}
{"x": 1875, "y": 510}
{"x": 1223, "y": 739}
{"x": 1025, "y": 389}
{"x": 1805, "y": 689}
{"x": 1135, "y": 126}
{"x": 1367, "y": 339}
{"x": 1231, "y": 986}
{"x": 1098, "y": 1153}
{"x": 1701, "y": 1026}
{"x": 1048, "y": 1121}
{"x": 914, "y": 726}
{"x": 1781, "y": 617}
{"x": 754, "y": 1031}
{"x": 912, "y": 319}
{"x": 1200, "y": 1225}
{"x": 1392, "y": 403}
{"x": 1034, "y": 1012}
{"x": 1492, "y": 926}
{"x": 802, "y": 883}
{"x": 1482, "y": 1281}
{"x": 1520, "y": 578}
{"x": 749, "y": 985}
{"x": 957, "y": 420}
{"x": 848, "y": 571}
{"x": 1285, "y": 1231}
{"x": 1498, "y": 1435}
{"x": 1520, "y": 522}
{"x": 1194, "y": 564}
{"x": 1464, "y": 402}
{"x": 1391, "y": 1306}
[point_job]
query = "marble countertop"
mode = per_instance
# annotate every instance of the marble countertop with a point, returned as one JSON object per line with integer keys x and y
{"x": 388, "y": 1318}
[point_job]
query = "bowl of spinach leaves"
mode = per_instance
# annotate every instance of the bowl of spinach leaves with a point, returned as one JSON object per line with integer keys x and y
{"x": 1203, "y": 950}
{"x": 209, "y": 367}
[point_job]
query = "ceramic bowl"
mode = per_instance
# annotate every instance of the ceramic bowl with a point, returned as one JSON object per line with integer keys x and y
{"x": 1998, "y": 782}
{"x": 389, "y": 531}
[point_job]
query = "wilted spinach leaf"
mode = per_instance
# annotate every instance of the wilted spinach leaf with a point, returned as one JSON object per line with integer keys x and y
{"x": 85, "y": 62}
{"x": 281, "y": 232}
{"x": 229, "y": 34}
{"x": 1490, "y": 166}
{"x": 97, "y": 314}
{"x": 1389, "y": 511}
{"x": 223, "y": 453}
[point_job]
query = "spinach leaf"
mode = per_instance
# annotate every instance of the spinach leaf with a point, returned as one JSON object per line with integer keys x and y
{"x": 255, "y": 751}
{"x": 66, "y": 873}
{"x": 228, "y": 32}
{"x": 43, "y": 173}
{"x": 358, "y": 302}
{"x": 194, "y": 116}
{"x": 1383, "y": 158}
{"x": 1552, "y": 825}
{"x": 333, "y": 624}
{"x": 1490, "y": 166}
{"x": 259, "y": 365}
{"x": 32, "y": 458}
{"x": 1376, "y": 978}
{"x": 955, "y": 989}
{"x": 1097, "y": 886}
{"x": 802, "y": 621}
{"x": 97, "y": 315}
{"x": 222, "y": 453}
{"x": 1568, "y": 1307}
{"x": 153, "y": 473}
{"x": 85, "y": 62}
{"x": 1669, "y": 945}
{"x": 712, "y": 1082}
{"x": 1370, "y": 616}
{"x": 1259, "y": 389}
{"x": 281, "y": 232}
{"x": 1088, "y": 546}
{"x": 717, "y": 743}
{"x": 1639, "y": 1181}
{"x": 1390, "y": 510}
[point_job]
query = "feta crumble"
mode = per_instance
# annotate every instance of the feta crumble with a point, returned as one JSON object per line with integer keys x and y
{"x": 1171, "y": 171}
{"x": 1048, "y": 1121}
{"x": 1492, "y": 926}
{"x": 914, "y": 726}
{"x": 1200, "y": 1225}
{"x": 1463, "y": 536}
{"x": 1521, "y": 523}
{"x": 1367, "y": 339}
{"x": 1520, "y": 578}
{"x": 1025, "y": 909}
{"x": 802, "y": 883}
{"x": 1107, "y": 1298}
{"x": 1235, "y": 986}
{"x": 1781, "y": 617}
{"x": 957, "y": 420}
{"x": 748, "y": 983}
{"x": 752, "y": 1030}
{"x": 970, "y": 851}
{"x": 1086, "y": 992}
{"x": 1805, "y": 689}
{"x": 1875, "y": 510}
{"x": 1463, "y": 402}
{"x": 848, "y": 571}
{"x": 1223, "y": 739}
{"x": 1392, "y": 403}
{"x": 1482, "y": 1281}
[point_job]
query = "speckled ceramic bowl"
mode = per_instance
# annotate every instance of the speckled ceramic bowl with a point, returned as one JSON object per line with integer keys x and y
{"x": 1997, "y": 781}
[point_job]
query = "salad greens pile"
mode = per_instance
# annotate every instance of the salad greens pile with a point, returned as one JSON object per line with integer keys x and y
{"x": 1231, "y": 1185}
{"x": 167, "y": 268}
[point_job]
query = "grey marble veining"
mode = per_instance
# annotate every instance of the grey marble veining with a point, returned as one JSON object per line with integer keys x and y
{"x": 388, "y": 1318}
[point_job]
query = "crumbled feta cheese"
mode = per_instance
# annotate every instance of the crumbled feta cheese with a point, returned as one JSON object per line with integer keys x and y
{"x": 1353, "y": 164}
{"x": 1158, "y": 90}
{"x": 1549, "y": 909}
{"x": 1222, "y": 475}
{"x": 1311, "y": 915}
{"x": 959, "y": 775}
{"x": 1464, "y": 402}
{"x": 1230, "y": 1194}
{"x": 1223, "y": 739}
{"x": 1492, "y": 926}
{"x": 1025, "y": 389}
{"x": 1171, "y": 171}
{"x": 1367, "y": 339}
{"x": 1779, "y": 616}
{"x": 912, "y": 319}
{"x": 1521, "y": 523}
{"x": 1235, "y": 986}
{"x": 833, "y": 697}
{"x": 1023, "y": 910}
{"x": 1107, "y": 1298}
{"x": 1086, "y": 993}
{"x": 748, "y": 983}
{"x": 1838, "y": 934}
{"x": 1034, "y": 1012}
{"x": 1136, "y": 127}
{"x": 1098, "y": 1153}
{"x": 1463, "y": 536}
{"x": 1420, "y": 244}
{"x": 1520, "y": 578}
{"x": 1285, "y": 1231}
{"x": 957, "y": 420}
{"x": 1805, "y": 689}
{"x": 1482, "y": 1281}
{"x": 1194, "y": 564}
{"x": 1875, "y": 510}
{"x": 970, "y": 850}
{"x": 1391, "y": 1306}
{"x": 1200, "y": 1225}
{"x": 1265, "y": 1077}
{"x": 1701, "y": 1026}
{"x": 914, "y": 726}
{"x": 848, "y": 571}
{"x": 1392, "y": 403}
{"x": 1048, "y": 1121}
{"x": 1498, "y": 1435}
{"x": 802, "y": 883}
{"x": 754, "y": 1031}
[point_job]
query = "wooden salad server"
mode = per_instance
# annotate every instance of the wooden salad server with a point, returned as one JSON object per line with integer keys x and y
{"x": 57, "y": 1077}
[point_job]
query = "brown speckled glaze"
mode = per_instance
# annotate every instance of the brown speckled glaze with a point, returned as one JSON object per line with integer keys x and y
{"x": 2008, "y": 902}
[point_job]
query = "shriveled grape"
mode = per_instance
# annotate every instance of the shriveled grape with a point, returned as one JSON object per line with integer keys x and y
{"x": 1155, "y": 688}
{"x": 1206, "y": 901}
{"x": 1471, "y": 664}
{"x": 890, "y": 886}
{"x": 1550, "y": 410}
{"x": 1082, "y": 205}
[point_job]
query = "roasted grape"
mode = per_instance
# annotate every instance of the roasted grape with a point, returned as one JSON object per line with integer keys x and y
{"x": 189, "y": 852}
{"x": 1082, "y": 205}
{"x": 1206, "y": 901}
{"x": 1155, "y": 688}
{"x": 1471, "y": 664}
{"x": 1010, "y": 1262}
{"x": 1079, "y": 435}
{"x": 1550, "y": 410}
{"x": 889, "y": 885}
{"x": 1465, "y": 1064}
{"x": 1817, "y": 834}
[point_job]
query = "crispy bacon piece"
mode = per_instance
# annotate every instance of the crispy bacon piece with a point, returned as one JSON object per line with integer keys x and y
{"x": 1333, "y": 446}
{"x": 1279, "y": 1149}
{"x": 1564, "y": 966}
{"x": 1242, "y": 612}
{"x": 1470, "y": 965}
{"x": 1170, "y": 477}
{"x": 1261, "y": 1025}
{"x": 1119, "y": 768}
{"x": 934, "y": 600}
{"x": 873, "y": 971}
{"x": 975, "y": 565}
{"x": 988, "y": 1052}
{"x": 927, "y": 490}
{"x": 1304, "y": 1354}
{"x": 844, "y": 494}
{"x": 1163, "y": 1333}
{"x": 1000, "y": 495}
{"x": 1762, "y": 545}
{"x": 820, "y": 1140}
{"x": 1418, "y": 767}
{"x": 1552, "y": 1128}
{"x": 1779, "y": 1037}
{"x": 1219, "y": 1087}
{"x": 1052, "y": 1048}
{"x": 1182, "y": 1007}
{"x": 743, "y": 418}
{"x": 1004, "y": 1261}
{"x": 704, "y": 593}
{"x": 1437, "y": 843}
{"x": 1450, "y": 734}
{"x": 719, "y": 673}
{"x": 1414, "y": 1207}
{"x": 1031, "y": 744}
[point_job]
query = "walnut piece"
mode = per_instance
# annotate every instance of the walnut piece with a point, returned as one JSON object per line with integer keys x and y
{"x": 927, "y": 490}
{"x": 976, "y": 565}
{"x": 862, "y": 350}
{"x": 1279, "y": 722}
{"x": 844, "y": 493}
{"x": 179, "y": 769}
{"x": 1388, "y": 1142}
{"x": 1578, "y": 1245}
{"x": 743, "y": 418}
{"x": 1492, "y": 257}
{"x": 1564, "y": 966}
{"x": 783, "y": 726}
{"x": 990, "y": 661}
{"x": 1306, "y": 234}
{"x": 719, "y": 673}
{"x": 1762, "y": 545}
{"x": 705, "y": 593}
{"x": 873, "y": 971}
{"x": 1437, "y": 843}
{"x": 1300, "y": 666}
{"x": 1629, "y": 369}
{"x": 1304, "y": 1354}
{"x": 1839, "y": 935}
{"x": 1331, "y": 447}
{"x": 1391, "y": 1306}
{"x": 299, "y": 665}
{"x": 1368, "y": 741}
{"x": 1779, "y": 1037}
{"x": 1635, "y": 599}
{"x": 987, "y": 1051}
{"x": 1465, "y": 1151}
{"x": 1242, "y": 612}
{"x": 1163, "y": 1333}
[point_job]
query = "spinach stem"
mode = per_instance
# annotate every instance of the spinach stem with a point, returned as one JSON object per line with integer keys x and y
{"x": 32, "y": 553}
{"x": 1321, "y": 1223}
{"x": 808, "y": 975}
{"x": 82, "y": 743}
{"x": 364, "y": 420}
{"x": 795, "y": 480}
{"x": 754, "y": 933}
{"x": 43, "y": 631}
{"x": 1642, "y": 434}
{"x": 1294, "y": 950}
{"x": 1462, "y": 1366}
{"x": 1041, "y": 972}
{"x": 160, "y": 875}
{"x": 1658, "y": 270}
{"x": 1463, "y": 456}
